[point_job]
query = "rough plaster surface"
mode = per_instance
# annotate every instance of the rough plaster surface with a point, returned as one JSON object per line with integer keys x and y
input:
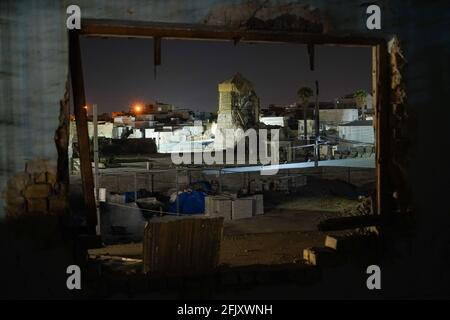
{"x": 33, "y": 71}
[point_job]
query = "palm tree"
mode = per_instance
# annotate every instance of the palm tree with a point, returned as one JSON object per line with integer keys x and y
{"x": 361, "y": 99}
{"x": 304, "y": 94}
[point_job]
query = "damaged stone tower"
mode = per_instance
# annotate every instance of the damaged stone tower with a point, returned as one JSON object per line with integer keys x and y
{"x": 238, "y": 106}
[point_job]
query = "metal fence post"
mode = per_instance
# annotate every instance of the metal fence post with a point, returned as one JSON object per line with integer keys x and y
{"x": 135, "y": 187}
{"x": 177, "y": 187}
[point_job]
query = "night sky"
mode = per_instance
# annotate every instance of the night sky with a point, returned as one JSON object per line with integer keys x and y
{"x": 119, "y": 72}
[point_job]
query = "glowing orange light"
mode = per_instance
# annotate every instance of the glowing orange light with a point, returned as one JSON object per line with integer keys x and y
{"x": 86, "y": 107}
{"x": 137, "y": 108}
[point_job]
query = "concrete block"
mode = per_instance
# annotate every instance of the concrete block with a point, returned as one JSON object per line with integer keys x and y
{"x": 340, "y": 243}
{"x": 37, "y": 205}
{"x": 258, "y": 204}
{"x": 331, "y": 242}
{"x": 242, "y": 208}
{"x": 218, "y": 206}
{"x": 320, "y": 256}
{"x": 223, "y": 208}
{"x": 37, "y": 191}
{"x": 208, "y": 205}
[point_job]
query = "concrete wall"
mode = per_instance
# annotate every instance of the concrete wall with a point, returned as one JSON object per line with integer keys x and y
{"x": 34, "y": 69}
{"x": 363, "y": 134}
{"x": 337, "y": 116}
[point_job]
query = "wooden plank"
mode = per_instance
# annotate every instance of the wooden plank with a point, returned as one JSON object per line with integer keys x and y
{"x": 101, "y": 27}
{"x": 156, "y": 54}
{"x": 79, "y": 101}
{"x": 187, "y": 229}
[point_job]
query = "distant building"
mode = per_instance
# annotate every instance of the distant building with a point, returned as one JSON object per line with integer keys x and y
{"x": 115, "y": 114}
{"x": 151, "y": 108}
{"x": 349, "y": 102}
{"x": 332, "y": 118}
{"x": 338, "y": 114}
{"x": 124, "y": 120}
{"x": 310, "y": 127}
{"x": 357, "y": 132}
{"x": 274, "y": 121}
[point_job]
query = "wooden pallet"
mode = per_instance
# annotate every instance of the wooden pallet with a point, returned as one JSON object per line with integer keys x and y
{"x": 182, "y": 245}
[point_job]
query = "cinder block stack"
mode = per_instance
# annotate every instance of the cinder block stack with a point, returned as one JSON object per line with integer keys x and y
{"x": 218, "y": 206}
{"x": 242, "y": 208}
{"x": 231, "y": 208}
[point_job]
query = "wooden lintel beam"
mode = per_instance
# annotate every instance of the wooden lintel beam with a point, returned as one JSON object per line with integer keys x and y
{"x": 105, "y": 28}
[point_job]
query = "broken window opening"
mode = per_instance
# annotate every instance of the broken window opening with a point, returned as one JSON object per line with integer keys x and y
{"x": 379, "y": 92}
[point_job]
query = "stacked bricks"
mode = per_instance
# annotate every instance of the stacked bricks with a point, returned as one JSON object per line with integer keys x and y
{"x": 35, "y": 190}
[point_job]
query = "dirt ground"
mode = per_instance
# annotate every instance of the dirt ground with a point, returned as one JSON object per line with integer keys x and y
{"x": 288, "y": 225}
{"x": 240, "y": 250}
{"x": 268, "y": 248}
{"x": 277, "y": 237}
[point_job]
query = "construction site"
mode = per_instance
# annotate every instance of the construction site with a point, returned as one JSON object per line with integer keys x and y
{"x": 220, "y": 150}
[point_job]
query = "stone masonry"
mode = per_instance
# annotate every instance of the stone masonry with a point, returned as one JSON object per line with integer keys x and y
{"x": 35, "y": 190}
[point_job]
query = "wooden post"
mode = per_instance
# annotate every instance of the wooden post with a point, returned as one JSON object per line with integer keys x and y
{"x": 220, "y": 180}
{"x": 178, "y": 188}
{"x": 152, "y": 182}
{"x": 96, "y": 171}
{"x": 383, "y": 137}
{"x": 79, "y": 101}
{"x": 156, "y": 54}
{"x": 95, "y": 123}
{"x": 135, "y": 187}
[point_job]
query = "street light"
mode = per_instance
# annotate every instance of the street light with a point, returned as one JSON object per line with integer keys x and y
{"x": 137, "y": 108}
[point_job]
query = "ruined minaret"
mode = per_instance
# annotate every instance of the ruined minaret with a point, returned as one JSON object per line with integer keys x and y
{"x": 238, "y": 106}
